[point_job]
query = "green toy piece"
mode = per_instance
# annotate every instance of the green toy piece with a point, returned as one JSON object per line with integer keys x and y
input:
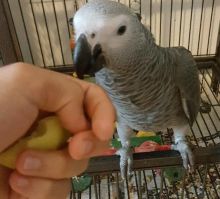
{"x": 80, "y": 184}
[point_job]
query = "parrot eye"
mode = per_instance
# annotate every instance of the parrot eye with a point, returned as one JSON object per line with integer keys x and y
{"x": 121, "y": 30}
{"x": 93, "y": 35}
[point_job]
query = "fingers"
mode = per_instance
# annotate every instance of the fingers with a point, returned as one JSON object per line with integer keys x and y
{"x": 53, "y": 92}
{"x": 48, "y": 91}
{"x": 50, "y": 164}
{"x": 68, "y": 97}
{"x": 4, "y": 188}
{"x": 100, "y": 109}
{"x": 85, "y": 145}
{"x": 39, "y": 188}
{"x": 30, "y": 89}
{"x": 60, "y": 94}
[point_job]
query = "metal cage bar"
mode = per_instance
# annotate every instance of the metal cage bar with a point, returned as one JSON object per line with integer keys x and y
{"x": 152, "y": 9}
{"x": 48, "y": 34}
{"x": 9, "y": 46}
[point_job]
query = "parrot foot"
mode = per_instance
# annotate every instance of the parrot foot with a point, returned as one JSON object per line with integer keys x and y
{"x": 183, "y": 146}
{"x": 126, "y": 161}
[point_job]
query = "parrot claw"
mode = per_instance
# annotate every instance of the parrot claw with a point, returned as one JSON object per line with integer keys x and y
{"x": 126, "y": 162}
{"x": 186, "y": 153}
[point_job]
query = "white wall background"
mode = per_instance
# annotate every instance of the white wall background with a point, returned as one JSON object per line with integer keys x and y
{"x": 45, "y": 41}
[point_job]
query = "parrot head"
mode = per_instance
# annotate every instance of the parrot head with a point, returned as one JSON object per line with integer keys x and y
{"x": 107, "y": 34}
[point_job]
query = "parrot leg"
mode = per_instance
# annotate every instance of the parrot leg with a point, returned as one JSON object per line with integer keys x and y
{"x": 125, "y": 152}
{"x": 183, "y": 146}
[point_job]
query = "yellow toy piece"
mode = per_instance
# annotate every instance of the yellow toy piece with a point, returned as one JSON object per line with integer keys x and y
{"x": 145, "y": 134}
{"x": 75, "y": 75}
{"x": 86, "y": 78}
{"x": 49, "y": 135}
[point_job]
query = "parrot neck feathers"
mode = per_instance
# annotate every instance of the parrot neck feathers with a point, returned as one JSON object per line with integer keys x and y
{"x": 137, "y": 59}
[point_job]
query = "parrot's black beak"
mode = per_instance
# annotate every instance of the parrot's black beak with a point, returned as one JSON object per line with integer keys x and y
{"x": 86, "y": 60}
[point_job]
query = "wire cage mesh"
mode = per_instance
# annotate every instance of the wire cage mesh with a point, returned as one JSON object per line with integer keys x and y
{"x": 43, "y": 32}
{"x": 38, "y": 32}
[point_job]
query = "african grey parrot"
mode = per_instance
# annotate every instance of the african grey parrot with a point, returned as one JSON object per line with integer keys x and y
{"x": 151, "y": 87}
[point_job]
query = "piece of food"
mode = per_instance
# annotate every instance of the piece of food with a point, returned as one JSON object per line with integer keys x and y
{"x": 145, "y": 133}
{"x": 150, "y": 146}
{"x": 49, "y": 135}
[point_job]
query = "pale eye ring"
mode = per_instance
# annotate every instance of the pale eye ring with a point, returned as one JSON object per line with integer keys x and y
{"x": 92, "y": 35}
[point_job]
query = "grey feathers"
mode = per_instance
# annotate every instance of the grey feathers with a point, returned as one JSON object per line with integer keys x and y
{"x": 187, "y": 81}
{"x": 151, "y": 87}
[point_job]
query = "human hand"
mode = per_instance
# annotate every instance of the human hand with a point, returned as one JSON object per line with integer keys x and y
{"x": 45, "y": 174}
{"x": 30, "y": 89}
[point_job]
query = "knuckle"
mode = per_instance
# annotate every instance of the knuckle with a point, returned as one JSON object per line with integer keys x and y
{"x": 15, "y": 70}
{"x": 19, "y": 72}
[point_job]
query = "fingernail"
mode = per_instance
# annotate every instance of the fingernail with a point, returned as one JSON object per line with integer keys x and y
{"x": 87, "y": 147}
{"x": 32, "y": 163}
{"x": 22, "y": 182}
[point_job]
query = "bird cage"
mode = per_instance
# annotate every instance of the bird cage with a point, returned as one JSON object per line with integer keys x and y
{"x": 39, "y": 32}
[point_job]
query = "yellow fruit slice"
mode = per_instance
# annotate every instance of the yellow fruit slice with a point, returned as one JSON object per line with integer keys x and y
{"x": 145, "y": 134}
{"x": 49, "y": 135}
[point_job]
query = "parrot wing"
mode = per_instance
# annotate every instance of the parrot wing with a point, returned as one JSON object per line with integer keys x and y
{"x": 187, "y": 81}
